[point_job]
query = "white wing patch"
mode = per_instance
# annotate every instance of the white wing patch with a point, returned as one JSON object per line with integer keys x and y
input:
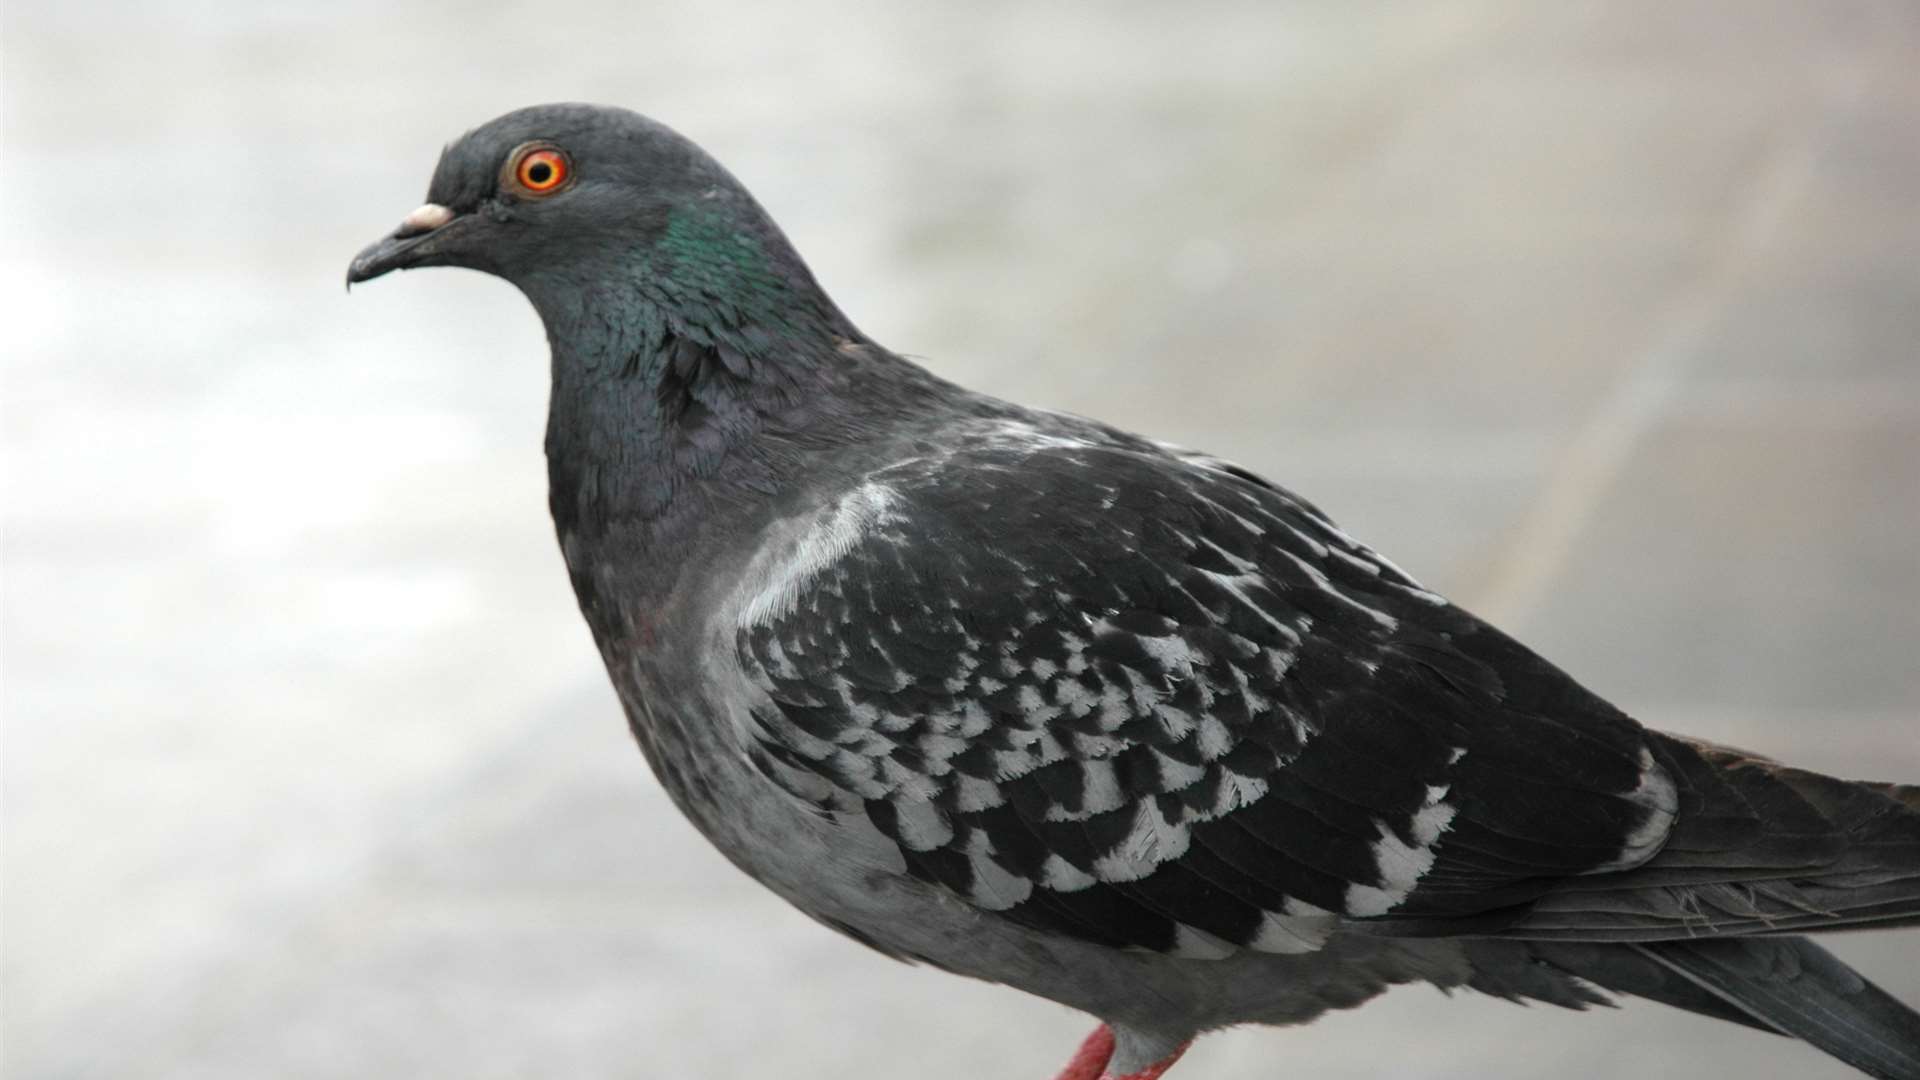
{"x": 1152, "y": 841}
{"x": 1402, "y": 864}
{"x": 921, "y": 824}
{"x": 993, "y": 887}
{"x": 1019, "y": 434}
{"x": 1655, "y": 793}
{"x": 776, "y": 587}
{"x": 1299, "y": 927}
{"x": 1194, "y": 943}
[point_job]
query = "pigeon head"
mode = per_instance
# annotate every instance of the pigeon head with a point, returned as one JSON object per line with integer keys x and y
{"x": 598, "y": 213}
{"x": 692, "y": 351}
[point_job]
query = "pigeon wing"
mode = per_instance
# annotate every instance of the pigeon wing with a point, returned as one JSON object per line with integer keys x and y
{"x": 1146, "y": 699}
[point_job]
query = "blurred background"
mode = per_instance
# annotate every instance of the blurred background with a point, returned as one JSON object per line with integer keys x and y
{"x": 1603, "y": 318}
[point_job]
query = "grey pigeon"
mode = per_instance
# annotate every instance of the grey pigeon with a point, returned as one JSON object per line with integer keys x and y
{"x": 1035, "y": 700}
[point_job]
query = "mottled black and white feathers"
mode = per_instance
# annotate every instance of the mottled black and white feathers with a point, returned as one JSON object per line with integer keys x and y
{"x": 1137, "y": 696}
{"x": 1144, "y": 699}
{"x": 1130, "y": 727}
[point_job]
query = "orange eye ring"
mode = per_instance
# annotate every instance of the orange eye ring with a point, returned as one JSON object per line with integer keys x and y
{"x": 541, "y": 170}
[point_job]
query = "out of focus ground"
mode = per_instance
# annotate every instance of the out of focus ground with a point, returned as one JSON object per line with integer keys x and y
{"x": 1602, "y": 318}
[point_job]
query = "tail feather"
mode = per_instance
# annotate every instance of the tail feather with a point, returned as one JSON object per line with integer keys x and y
{"x": 1798, "y": 988}
{"x": 1756, "y": 848}
{"x": 1758, "y": 853}
{"x": 1785, "y": 986}
{"x": 1905, "y": 794}
{"x": 1537, "y": 970}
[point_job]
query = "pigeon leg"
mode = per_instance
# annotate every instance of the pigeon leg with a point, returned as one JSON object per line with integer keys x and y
{"x": 1156, "y": 1070}
{"x": 1090, "y": 1061}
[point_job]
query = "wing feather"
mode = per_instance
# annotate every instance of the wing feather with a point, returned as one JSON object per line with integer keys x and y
{"x": 1149, "y": 700}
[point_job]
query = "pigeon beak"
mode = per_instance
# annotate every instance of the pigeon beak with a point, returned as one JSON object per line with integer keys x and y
{"x": 409, "y": 245}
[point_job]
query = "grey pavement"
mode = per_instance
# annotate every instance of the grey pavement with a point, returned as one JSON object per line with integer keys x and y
{"x": 1602, "y": 318}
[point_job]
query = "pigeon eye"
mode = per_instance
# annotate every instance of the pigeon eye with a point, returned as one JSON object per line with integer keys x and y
{"x": 541, "y": 170}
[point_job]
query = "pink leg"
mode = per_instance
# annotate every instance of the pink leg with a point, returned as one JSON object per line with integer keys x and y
{"x": 1156, "y": 1070}
{"x": 1090, "y": 1061}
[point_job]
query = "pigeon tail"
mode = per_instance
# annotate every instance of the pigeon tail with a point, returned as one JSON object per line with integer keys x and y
{"x": 1800, "y": 989}
{"x": 1756, "y": 848}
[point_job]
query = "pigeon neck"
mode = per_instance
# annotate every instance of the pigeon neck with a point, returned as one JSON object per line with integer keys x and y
{"x": 696, "y": 368}
{"x": 663, "y": 394}
{"x": 641, "y": 406}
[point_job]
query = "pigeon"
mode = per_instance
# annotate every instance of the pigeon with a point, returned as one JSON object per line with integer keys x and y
{"x": 1026, "y": 697}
